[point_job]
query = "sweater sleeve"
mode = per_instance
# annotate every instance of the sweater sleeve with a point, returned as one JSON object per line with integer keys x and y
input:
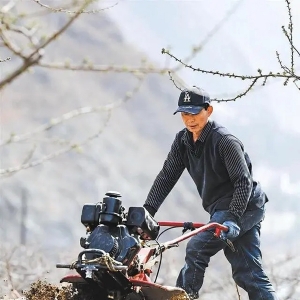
{"x": 171, "y": 171}
{"x": 233, "y": 157}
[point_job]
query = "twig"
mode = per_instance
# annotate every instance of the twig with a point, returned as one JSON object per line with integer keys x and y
{"x": 88, "y": 66}
{"x": 62, "y": 29}
{"x": 27, "y": 33}
{"x": 7, "y": 7}
{"x": 211, "y": 33}
{"x": 232, "y": 75}
{"x": 8, "y": 269}
{"x": 37, "y": 54}
{"x": 128, "y": 95}
{"x": 240, "y": 95}
{"x": 74, "y": 12}
{"x": 287, "y": 73}
{"x": 238, "y": 292}
{"x": 291, "y": 35}
{"x": 173, "y": 80}
{"x": 59, "y": 120}
{"x": 50, "y": 156}
{"x": 10, "y": 45}
{"x": 5, "y": 59}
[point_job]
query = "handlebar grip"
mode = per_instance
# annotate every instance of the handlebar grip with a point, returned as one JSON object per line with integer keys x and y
{"x": 219, "y": 229}
{"x": 216, "y": 226}
{"x": 63, "y": 266}
{"x": 180, "y": 224}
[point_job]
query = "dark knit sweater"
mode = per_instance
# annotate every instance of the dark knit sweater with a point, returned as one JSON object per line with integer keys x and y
{"x": 219, "y": 166}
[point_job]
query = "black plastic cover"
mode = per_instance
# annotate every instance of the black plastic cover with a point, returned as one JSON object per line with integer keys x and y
{"x": 90, "y": 214}
{"x": 139, "y": 217}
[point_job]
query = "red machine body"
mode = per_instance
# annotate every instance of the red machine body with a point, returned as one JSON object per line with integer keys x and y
{"x": 140, "y": 286}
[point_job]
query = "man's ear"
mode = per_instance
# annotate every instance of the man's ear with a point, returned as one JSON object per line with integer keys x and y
{"x": 210, "y": 110}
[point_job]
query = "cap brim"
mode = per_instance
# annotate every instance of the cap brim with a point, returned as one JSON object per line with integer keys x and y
{"x": 193, "y": 110}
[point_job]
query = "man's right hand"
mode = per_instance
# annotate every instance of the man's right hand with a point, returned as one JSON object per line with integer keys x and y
{"x": 233, "y": 230}
{"x": 151, "y": 210}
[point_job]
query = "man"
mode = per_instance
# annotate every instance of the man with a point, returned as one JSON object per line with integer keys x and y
{"x": 222, "y": 172}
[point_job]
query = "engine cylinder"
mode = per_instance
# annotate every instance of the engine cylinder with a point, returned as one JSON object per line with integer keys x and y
{"x": 111, "y": 211}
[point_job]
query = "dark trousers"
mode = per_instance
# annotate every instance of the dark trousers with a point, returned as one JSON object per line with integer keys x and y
{"x": 245, "y": 262}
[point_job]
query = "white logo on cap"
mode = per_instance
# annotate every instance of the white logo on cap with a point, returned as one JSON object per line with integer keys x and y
{"x": 187, "y": 97}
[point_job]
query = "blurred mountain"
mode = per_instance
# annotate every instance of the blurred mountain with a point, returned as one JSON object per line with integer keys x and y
{"x": 41, "y": 206}
{"x": 125, "y": 157}
{"x": 266, "y": 120}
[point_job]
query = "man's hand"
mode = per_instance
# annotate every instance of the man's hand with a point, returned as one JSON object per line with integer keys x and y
{"x": 152, "y": 211}
{"x": 233, "y": 230}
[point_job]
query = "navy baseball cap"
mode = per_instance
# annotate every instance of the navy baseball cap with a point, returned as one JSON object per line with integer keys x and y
{"x": 192, "y": 100}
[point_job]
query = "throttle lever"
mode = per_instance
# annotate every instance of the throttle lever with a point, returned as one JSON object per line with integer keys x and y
{"x": 228, "y": 243}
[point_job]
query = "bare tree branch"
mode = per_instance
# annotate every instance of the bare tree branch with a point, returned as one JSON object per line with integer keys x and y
{"x": 211, "y": 33}
{"x": 73, "y": 12}
{"x": 33, "y": 56}
{"x": 290, "y": 35}
{"x": 7, "y": 7}
{"x": 9, "y": 44}
{"x": 5, "y": 59}
{"x": 287, "y": 73}
{"x": 233, "y": 75}
{"x": 27, "y": 33}
{"x": 36, "y": 55}
{"x": 59, "y": 120}
{"x": 174, "y": 81}
{"x": 68, "y": 116}
{"x": 89, "y": 66}
{"x": 19, "y": 266}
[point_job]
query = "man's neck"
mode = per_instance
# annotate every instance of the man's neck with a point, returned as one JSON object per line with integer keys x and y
{"x": 196, "y": 135}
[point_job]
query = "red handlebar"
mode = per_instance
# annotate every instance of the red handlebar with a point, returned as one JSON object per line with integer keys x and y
{"x": 200, "y": 227}
{"x": 180, "y": 224}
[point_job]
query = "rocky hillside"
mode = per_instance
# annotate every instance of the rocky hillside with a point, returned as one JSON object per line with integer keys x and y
{"x": 125, "y": 157}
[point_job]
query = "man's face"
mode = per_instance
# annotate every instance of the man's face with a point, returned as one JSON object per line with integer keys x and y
{"x": 196, "y": 123}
